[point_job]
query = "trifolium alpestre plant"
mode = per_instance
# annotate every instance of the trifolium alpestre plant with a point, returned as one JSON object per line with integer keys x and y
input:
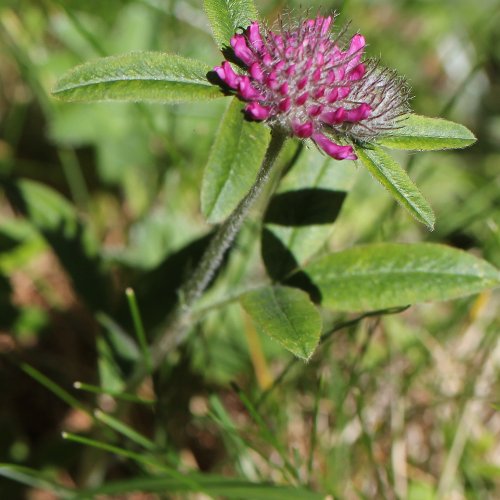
{"x": 302, "y": 80}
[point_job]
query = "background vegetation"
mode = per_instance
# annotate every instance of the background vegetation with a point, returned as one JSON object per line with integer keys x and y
{"x": 396, "y": 405}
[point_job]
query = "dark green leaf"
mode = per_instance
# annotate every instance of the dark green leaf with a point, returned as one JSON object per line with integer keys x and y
{"x": 226, "y": 16}
{"x": 395, "y": 179}
{"x": 233, "y": 163}
{"x": 388, "y": 275}
{"x": 421, "y": 133}
{"x": 299, "y": 219}
{"x": 286, "y": 315}
{"x": 138, "y": 76}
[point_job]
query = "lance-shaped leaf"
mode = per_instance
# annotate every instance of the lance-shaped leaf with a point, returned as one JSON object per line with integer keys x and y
{"x": 380, "y": 276}
{"x": 226, "y": 16}
{"x": 138, "y": 76}
{"x": 395, "y": 179}
{"x": 233, "y": 163}
{"x": 421, "y": 133}
{"x": 287, "y": 315}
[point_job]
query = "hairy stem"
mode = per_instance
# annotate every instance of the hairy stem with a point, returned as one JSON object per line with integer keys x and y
{"x": 227, "y": 232}
{"x": 210, "y": 262}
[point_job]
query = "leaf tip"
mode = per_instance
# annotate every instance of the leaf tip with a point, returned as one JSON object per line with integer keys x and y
{"x": 430, "y": 222}
{"x": 307, "y": 356}
{"x": 473, "y": 138}
{"x": 57, "y": 94}
{"x": 56, "y": 89}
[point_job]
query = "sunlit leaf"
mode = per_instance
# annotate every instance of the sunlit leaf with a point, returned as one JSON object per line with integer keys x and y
{"x": 395, "y": 179}
{"x": 421, "y": 133}
{"x": 138, "y": 76}
{"x": 233, "y": 163}
{"x": 380, "y": 276}
{"x": 286, "y": 315}
{"x": 226, "y": 16}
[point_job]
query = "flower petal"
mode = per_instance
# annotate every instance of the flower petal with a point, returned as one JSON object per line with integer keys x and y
{"x": 246, "y": 91}
{"x": 332, "y": 149}
{"x": 257, "y": 111}
{"x": 256, "y": 72}
{"x": 254, "y": 36}
{"x": 355, "y": 51}
{"x": 303, "y": 130}
{"x": 241, "y": 50}
{"x": 227, "y": 75}
{"x": 357, "y": 114}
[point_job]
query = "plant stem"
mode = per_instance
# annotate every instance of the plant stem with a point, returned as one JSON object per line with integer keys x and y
{"x": 227, "y": 232}
{"x": 210, "y": 262}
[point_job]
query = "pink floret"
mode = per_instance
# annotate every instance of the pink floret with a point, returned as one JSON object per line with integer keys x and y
{"x": 304, "y": 82}
{"x": 332, "y": 149}
{"x": 257, "y": 111}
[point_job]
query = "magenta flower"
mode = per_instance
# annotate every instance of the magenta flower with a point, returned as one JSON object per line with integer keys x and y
{"x": 302, "y": 81}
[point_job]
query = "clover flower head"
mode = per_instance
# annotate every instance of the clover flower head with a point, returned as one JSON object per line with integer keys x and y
{"x": 305, "y": 81}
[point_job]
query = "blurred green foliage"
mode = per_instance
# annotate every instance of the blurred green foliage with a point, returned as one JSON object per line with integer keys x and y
{"x": 96, "y": 198}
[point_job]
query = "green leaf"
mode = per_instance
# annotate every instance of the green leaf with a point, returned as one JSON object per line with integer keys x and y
{"x": 286, "y": 315}
{"x": 218, "y": 486}
{"x": 300, "y": 217}
{"x": 226, "y": 16}
{"x": 233, "y": 163}
{"x": 395, "y": 179}
{"x": 421, "y": 133}
{"x": 388, "y": 275}
{"x": 138, "y": 76}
